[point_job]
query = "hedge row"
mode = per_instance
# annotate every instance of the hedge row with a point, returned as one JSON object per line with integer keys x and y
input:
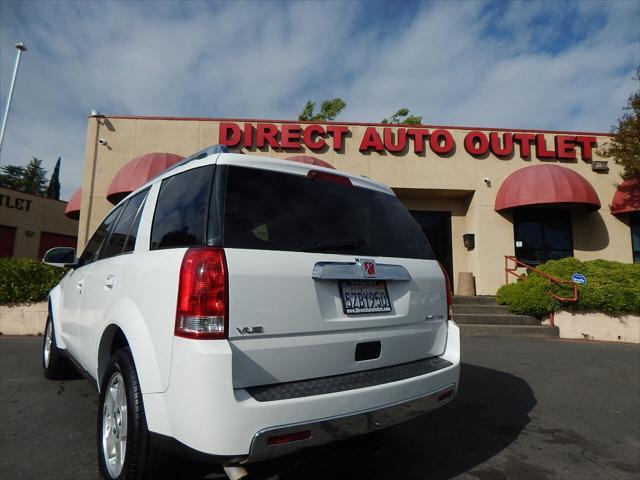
{"x": 612, "y": 288}
{"x": 23, "y": 280}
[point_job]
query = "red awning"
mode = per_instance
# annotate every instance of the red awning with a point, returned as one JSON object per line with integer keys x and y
{"x": 310, "y": 160}
{"x": 73, "y": 207}
{"x": 627, "y": 197}
{"x": 545, "y": 185}
{"x": 137, "y": 172}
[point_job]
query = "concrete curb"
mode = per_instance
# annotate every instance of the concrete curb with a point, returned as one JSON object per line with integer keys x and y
{"x": 23, "y": 319}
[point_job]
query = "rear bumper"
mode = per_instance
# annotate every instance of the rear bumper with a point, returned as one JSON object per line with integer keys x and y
{"x": 201, "y": 410}
{"x": 339, "y": 428}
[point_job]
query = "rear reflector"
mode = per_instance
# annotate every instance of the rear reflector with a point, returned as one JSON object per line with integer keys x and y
{"x": 449, "y": 296}
{"x": 445, "y": 395}
{"x": 202, "y": 295}
{"x": 328, "y": 177}
{"x": 289, "y": 437}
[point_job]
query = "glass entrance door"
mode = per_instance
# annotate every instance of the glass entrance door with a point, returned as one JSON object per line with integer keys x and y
{"x": 542, "y": 234}
{"x": 437, "y": 228}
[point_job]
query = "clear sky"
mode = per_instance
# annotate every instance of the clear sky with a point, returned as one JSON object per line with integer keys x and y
{"x": 533, "y": 64}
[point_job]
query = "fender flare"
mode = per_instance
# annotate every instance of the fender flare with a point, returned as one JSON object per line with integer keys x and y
{"x": 125, "y": 316}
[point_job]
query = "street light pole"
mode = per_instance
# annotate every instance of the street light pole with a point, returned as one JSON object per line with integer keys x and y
{"x": 21, "y": 48}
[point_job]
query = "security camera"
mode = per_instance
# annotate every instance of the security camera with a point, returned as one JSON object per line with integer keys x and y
{"x": 487, "y": 180}
{"x": 102, "y": 141}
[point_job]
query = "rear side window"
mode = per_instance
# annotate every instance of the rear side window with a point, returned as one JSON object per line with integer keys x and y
{"x": 121, "y": 232}
{"x": 181, "y": 209}
{"x": 276, "y": 211}
{"x": 92, "y": 250}
{"x": 130, "y": 243}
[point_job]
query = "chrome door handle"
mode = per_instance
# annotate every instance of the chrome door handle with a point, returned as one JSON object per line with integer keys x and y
{"x": 111, "y": 279}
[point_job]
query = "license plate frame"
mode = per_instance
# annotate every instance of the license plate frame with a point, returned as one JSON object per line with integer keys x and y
{"x": 347, "y": 287}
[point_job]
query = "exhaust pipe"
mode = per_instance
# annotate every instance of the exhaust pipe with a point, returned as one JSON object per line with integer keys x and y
{"x": 235, "y": 472}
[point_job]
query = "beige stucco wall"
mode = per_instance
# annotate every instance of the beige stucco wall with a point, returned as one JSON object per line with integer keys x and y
{"x": 23, "y": 319}
{"x": 43, "y": 215}
{"x": 598, "y": 326}
{"x": 454, "y": 182}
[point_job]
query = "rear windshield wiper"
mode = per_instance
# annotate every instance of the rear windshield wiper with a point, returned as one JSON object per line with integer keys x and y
{"x": 343, "y": 244}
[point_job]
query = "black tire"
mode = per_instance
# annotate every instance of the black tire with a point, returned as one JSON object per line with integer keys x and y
{"x": 55, "y": 366}
{"x": 141, "y": 460}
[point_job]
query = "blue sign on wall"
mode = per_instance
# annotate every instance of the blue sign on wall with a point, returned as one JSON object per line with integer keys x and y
{"x": 578, "y": 278}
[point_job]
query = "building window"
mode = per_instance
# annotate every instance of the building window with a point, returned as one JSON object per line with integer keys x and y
{"x": 542, "y": 234}
{"x": 634, "y": 220}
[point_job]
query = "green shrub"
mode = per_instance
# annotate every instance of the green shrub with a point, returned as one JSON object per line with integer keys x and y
{"x": 612, "y": 288}
{"x": 23, "y": 280}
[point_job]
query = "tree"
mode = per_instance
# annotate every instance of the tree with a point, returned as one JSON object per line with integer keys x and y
{"x": 53, "y": 191}
{"x": 11, "y": 176}
{"x": 329, "y": 110}
{"x": 402, "y": 117}
{"x": 35, "y": 177}
{"x": 624, "y": 146}
{"x": 29, "y": 179}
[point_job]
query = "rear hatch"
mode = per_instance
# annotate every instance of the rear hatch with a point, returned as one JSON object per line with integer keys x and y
{"x": 327, "y": 275}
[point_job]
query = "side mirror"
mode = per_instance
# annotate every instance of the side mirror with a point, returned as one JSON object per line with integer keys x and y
{"x": 60, "y": 257}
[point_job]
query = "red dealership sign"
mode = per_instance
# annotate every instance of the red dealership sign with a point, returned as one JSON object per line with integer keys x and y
{"x": 291, "y": 136}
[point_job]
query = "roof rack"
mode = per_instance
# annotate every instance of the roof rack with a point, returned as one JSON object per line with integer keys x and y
{"x": 205, "y": 152}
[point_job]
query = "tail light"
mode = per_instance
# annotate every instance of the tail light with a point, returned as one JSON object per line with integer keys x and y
{"x": 329, "y": 177}
{"x": 449, "y": 295}
{"x": 202, "y": 310}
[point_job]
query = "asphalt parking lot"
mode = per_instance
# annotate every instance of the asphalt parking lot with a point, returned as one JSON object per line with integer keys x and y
{"x": 527, "y": 409}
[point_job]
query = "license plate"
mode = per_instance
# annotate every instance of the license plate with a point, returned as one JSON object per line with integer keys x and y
{"x": 364, "y": 296}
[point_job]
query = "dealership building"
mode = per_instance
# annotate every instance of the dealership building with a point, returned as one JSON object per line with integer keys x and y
{"x": 479, "y": 194}
{"x": 31, "y": 224}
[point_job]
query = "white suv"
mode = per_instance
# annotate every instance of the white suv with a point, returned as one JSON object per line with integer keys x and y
{"x": 240, "y": 308}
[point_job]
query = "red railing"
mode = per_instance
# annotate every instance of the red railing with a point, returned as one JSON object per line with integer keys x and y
{"x": 550, "y": 280}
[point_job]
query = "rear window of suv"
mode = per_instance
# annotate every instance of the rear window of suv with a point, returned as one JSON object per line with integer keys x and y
{"x": 269, "y": 210}
{"x": 181, "y": 209}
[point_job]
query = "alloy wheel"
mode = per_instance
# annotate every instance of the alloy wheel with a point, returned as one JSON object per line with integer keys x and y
{"x": 114, "y": 425}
